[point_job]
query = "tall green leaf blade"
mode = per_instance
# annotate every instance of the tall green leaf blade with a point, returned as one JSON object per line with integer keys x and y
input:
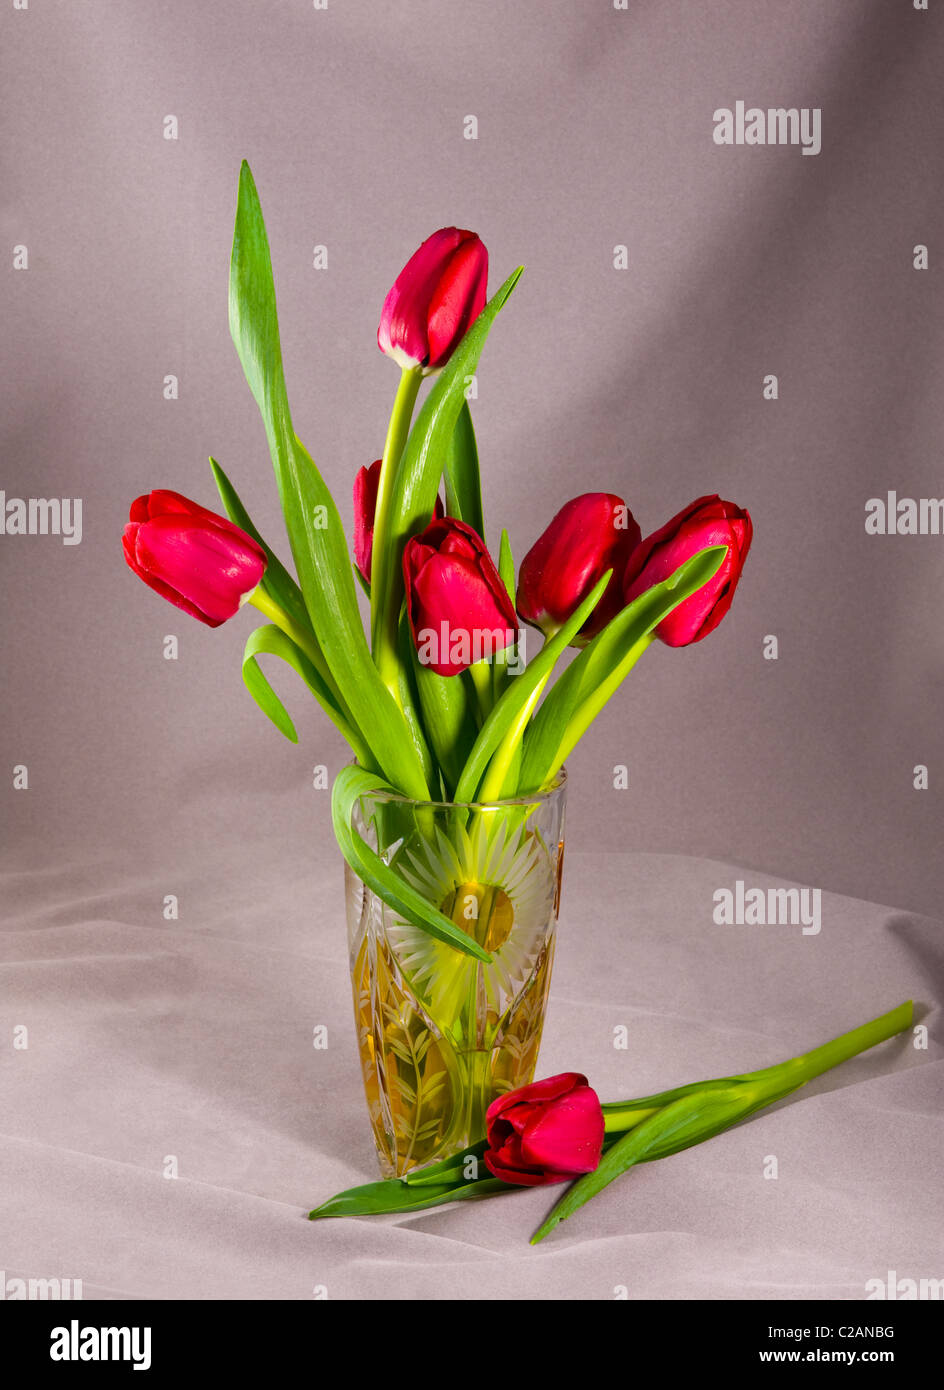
{"x": 463, "y": 482}
{"x": 319, "y": 546}
{"x": 350, "y": 784}
{"x": 595, "y": 674}
{"x": 501, "y": 660}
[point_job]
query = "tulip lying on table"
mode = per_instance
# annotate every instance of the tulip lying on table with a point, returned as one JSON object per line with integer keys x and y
{"x": 556, "y": 1131}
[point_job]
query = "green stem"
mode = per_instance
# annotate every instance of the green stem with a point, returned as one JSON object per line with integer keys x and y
{"x": 618, "y": 1118}
{"x": 386, "y": 583}
{"x": 693, "y": 1114}
{"x": 799, "y": 1070}
{"x": 480, "y": 675}
{"x": 302, "y": 639}
{"x": 772, "y": 1083}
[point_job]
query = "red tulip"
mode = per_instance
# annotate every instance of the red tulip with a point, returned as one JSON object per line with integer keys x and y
{"x": 365, "y": 505}
{"x": 435, "y": 299}
{"x": 458, "y": 607}
{"x": 366, "y": 484}
{"x": 198, "y": 561}
{"x": 544, "y": 1133}
{"x": 708, "y": 521}
{"x": 589, "y": 535}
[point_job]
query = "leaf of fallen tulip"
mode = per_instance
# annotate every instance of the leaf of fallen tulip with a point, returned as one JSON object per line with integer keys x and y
{"x": 395, "y": 1195}
{"x": 319, "y": 544}
{"x": 706, "y": 1109}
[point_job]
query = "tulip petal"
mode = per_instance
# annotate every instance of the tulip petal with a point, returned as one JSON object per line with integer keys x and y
{"x": 519, "y": 1177}
{"x": 548, "y": 1089}
{"x": 567, "y": 1135}
{"x": 129, "y": 545}
{"x": 366, "y": 485}
{"x": 580, "y": 544}
{"x": 706, "y": 521}
{"x": 450, "y": 579}
{"x": 457, "y": 300}
{"x": 402, "y": 334}
{"x": 201, "y": 563}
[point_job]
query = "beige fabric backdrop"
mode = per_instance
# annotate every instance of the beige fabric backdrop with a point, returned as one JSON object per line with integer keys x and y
{"x": 149, "y": 777}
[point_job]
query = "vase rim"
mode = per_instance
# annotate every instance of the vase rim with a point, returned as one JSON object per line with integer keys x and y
{"x": 526, "y": 799}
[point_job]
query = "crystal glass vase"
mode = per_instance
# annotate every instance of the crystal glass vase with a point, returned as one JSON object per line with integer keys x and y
{"x": 440, "y": 1033}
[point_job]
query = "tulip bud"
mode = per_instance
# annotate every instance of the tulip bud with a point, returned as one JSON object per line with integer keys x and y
{"x": 435, "y": 299}
{"x": 548, "y": 1132}
{"x": 458, "y": 607}
{"x": 589, "y": 535}
{"x": 198, "y": 561}
{"x": 366, "y": 485}
{"x": 707, "y": 521}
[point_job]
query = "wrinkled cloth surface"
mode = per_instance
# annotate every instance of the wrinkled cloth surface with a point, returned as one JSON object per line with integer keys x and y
{"x": 187, "y": 1046}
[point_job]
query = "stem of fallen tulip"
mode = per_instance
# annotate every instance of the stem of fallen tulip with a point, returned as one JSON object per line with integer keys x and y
{"x": 384, "y": 595}
{"x": 695, "y": 1113}
{"x": 617, "y": 1119}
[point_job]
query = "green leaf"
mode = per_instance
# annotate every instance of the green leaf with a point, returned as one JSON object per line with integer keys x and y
{"x": 506, "y": 565}
{"x": 276, "y": 581}
{"x": 599, "y": 669}
{"x": 463, "y": 483}
{"x": 271, "y": 641}
{"x": 394, "y": 1195}
{"x": 510, "y": 715}
{"x": 691, "y": 1114}
{"x": 684, "y": 1122}
{"x": 316, "y": 535}
{"x": 350, "y": 784}
{"x": 417, "y": 478}
{"x": 449, "y": 1169}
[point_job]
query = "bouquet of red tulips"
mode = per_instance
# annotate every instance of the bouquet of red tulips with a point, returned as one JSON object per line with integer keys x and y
{"x": 450, "y": 815}
{"x": 438, "y": 701}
